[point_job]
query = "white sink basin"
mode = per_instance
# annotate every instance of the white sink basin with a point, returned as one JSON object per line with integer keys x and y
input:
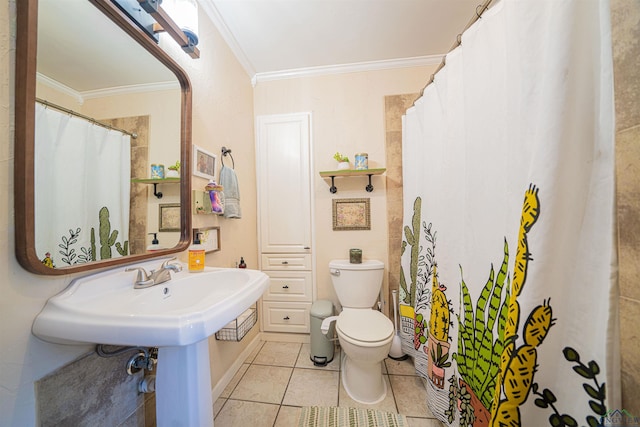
{"x": 177, "y": 316}
{"x": 104, "y": 308}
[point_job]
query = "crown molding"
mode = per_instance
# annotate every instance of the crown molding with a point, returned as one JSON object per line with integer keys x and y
{"x": 56, "y": 85}
{"x": 81, "y": 97}
{"x": 212, "y": 12}
{"x": 123, "y": 90}
{"x": 214, "y": 15}
{"x": 419, "y": 61}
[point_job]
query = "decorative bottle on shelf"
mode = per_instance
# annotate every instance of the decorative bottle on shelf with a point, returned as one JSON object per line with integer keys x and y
{"x": 242, "y": 264}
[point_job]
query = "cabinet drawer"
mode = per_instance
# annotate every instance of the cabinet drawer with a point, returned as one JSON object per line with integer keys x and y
{"x": 286, "y": 262}
{"x": 289, "y": 286}
{"x": 286, "y": 317}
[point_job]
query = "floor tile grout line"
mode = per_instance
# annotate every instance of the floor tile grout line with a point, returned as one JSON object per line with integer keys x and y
{"x": 296, "y": 366}
{"x": 239, "y": 380}
{"x": 395, "y": 400}
{"x": 287, "y": 387}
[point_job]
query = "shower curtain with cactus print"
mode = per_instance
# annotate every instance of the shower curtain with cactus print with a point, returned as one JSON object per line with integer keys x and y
{"x": 508, "y": 283}
{"x": 82, "y": 181}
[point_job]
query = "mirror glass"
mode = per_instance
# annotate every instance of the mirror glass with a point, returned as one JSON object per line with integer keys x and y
{"x": 102, "y": 104}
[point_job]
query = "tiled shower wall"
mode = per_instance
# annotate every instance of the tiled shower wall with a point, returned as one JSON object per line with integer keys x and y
{"x": 625, "y": 22}
{"x": 139, "y": 169}
{"x": 394, "y": 108}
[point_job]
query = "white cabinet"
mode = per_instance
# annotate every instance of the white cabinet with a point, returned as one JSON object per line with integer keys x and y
{"x": 286, "y": 317}
{"x": 285, "y": 220}
{"x": 290, "y": 286}
{"x": 286, "y": 262}
{"x": 284, "y": 183}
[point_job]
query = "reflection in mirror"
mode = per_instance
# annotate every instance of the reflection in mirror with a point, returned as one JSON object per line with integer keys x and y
{"x": 100, "y": 107}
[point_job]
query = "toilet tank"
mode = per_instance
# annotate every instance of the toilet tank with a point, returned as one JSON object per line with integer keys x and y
{"x": 357, "y": 285}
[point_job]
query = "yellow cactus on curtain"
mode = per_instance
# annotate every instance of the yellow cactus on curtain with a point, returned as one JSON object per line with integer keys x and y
{"x": 518, "y": 364}
{"x": 437, "y": 348}
{"x": 440, "y": 319}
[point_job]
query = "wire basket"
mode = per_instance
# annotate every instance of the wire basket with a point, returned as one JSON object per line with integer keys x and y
{"x": 238, "y": 328}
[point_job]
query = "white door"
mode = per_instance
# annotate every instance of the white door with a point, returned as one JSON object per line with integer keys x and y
{"x": 284, "y": 182}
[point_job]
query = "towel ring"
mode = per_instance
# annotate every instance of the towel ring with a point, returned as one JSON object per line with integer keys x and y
{"x": 226, "y": 151}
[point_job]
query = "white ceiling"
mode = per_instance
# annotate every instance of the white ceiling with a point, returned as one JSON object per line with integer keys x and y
{"x": 270, "y": 38}
{"x": 80, "y": 51}
{"x": 280, "y": 36}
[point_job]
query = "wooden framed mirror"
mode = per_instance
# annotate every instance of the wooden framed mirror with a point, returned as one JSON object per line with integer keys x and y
{"x": 29, "y": 207}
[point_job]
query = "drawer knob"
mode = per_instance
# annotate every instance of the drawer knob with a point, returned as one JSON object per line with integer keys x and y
{"x": 285, "y": 262}
{"x": 285, "y": 287}
{"x": 285, "y": 318}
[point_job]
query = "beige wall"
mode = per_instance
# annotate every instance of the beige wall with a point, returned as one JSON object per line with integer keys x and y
{"x": 223, "y": 115}
{"x": 625, "y": 23}
{"x": 348, "y": 115}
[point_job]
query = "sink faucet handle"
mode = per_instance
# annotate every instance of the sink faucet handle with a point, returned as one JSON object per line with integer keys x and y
{"x": 143, "y": 278}
{"x": 164, "y": 264}
{"x": 168, "y": 264}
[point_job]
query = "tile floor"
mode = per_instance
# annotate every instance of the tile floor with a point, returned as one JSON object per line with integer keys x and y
{"x": 279, "y": 378}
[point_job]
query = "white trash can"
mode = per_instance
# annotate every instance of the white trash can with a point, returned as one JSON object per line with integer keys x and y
{"x": 322, "y": 347}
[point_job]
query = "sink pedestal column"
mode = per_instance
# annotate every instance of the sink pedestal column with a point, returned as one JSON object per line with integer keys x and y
{"x": 183, "y": 386}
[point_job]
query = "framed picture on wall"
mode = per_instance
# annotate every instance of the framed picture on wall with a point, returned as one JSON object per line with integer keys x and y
{"x": 209, "y": 238}
{"x": 204, "y": 163}
{"x": 351, "y": 214}
{"x": 169, "y": 217}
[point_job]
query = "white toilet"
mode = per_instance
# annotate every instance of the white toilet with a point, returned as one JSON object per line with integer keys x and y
{"x": 365, "y": 334}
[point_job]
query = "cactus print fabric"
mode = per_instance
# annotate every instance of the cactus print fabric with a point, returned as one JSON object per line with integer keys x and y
{"x": 82, "y": 181}
{"x": 507, "y": 288}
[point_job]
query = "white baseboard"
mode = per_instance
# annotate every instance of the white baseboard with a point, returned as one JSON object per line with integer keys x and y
{"x": 284, "y": 337}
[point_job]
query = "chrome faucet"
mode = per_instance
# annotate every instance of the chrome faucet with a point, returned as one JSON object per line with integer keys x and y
{"x": 155, "y": 277}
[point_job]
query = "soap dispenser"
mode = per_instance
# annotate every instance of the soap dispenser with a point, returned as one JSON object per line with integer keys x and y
{"x": 196, "y": 255}
{"x": 155, "y": 244}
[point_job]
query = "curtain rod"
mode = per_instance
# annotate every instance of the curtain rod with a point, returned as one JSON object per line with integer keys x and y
{"x": 82, "y": 116}
{"x": 479, "y": 11}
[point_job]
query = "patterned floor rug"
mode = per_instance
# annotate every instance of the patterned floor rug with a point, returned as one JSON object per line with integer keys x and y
{"x": 320, "y": 416}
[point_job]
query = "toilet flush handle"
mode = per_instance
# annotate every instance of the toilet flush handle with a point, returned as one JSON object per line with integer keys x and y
{"x": 334, "y": 271}
{"x": 326, "y": 324}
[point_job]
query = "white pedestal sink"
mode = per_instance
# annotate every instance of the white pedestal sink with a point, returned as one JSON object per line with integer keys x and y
{"x": 177, "y": 316}
{"x": 183, "y": 386}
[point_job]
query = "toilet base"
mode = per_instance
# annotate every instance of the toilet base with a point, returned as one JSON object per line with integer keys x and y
{"x": 363, "y": 381}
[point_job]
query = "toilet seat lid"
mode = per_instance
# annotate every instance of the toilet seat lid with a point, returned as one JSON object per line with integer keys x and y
{"x": 364, "y": 325}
